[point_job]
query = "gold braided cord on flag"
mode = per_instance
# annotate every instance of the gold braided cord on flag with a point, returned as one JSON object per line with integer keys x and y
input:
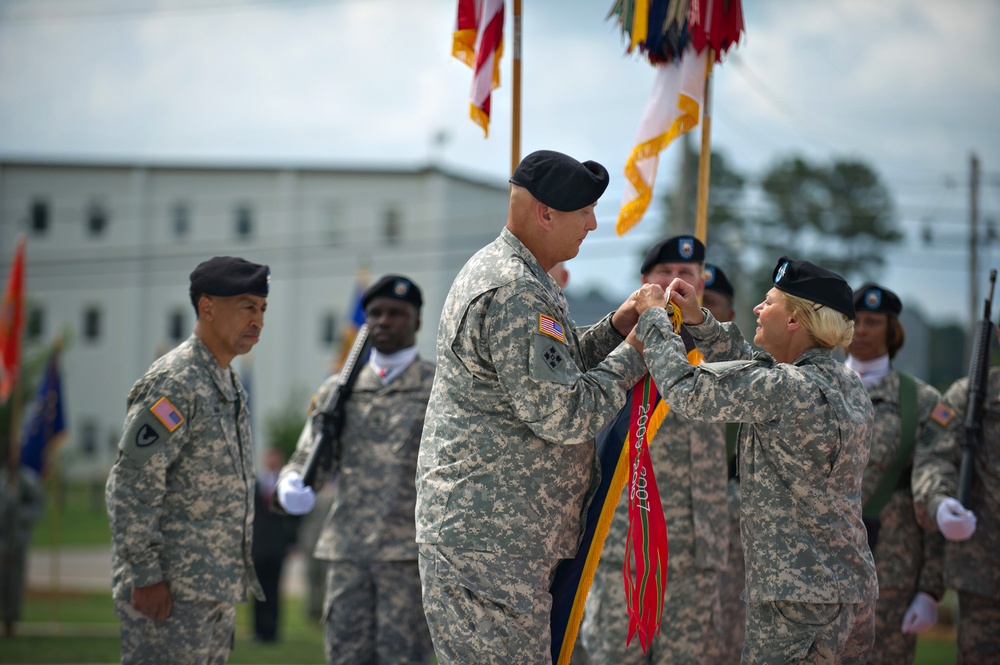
{"x": 632, "y": 211}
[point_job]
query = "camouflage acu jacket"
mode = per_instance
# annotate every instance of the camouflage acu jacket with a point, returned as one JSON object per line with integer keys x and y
{"x": 907, "y": 557}
{"x": 180, "y": 496}
{"x": 804, "y": 440}
{"x": 972, "y": 565}
{"x": 507, "y": 460}
{"x": 371, "y": 518}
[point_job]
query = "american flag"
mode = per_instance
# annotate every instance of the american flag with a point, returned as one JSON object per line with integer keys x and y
{"x": 942, "y": 414}
{"x": 167, "y": 414}
{"x": 551, "y": 327}
{"x": 478, "y": 42}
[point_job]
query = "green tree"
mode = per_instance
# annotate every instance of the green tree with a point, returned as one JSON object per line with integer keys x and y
{"x": 840, "y": 216}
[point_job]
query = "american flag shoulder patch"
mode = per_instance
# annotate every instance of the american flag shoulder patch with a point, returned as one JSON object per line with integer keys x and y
{"x": 942, "y": 415}
{"x": 551, "y": 327}
{"x": 167, "y": 414}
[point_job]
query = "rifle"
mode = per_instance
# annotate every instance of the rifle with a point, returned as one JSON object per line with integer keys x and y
{"x": 979, "y": 366}
{"x": 328, "y": 420}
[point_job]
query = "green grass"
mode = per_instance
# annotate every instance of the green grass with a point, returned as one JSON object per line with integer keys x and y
{"x": 74, "y": 515}
{"x": 82, "y": 628}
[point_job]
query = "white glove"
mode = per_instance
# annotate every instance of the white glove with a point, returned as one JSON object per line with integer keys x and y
{"x": 921, "y": 615}
{"x": 294, "y": 497}
{"x": 954, "y": 521}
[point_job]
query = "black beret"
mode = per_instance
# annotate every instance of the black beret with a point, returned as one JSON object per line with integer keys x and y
{"x": 230, "y": 276}
{"x": 716, "y": 280}
{"x": 559, "y": 181}
{"x": 678, "y": 249}
{"x": 874, "y": 298}
{"x": 809, "y": 281}
{"x": 394, "y": 286}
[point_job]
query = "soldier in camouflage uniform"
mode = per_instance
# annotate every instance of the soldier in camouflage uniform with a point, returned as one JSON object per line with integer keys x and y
{"x": 718, "y": 299}
{"x": 22, "y": 503}
{"x": 180, "y": 496}
{"x": 909, "y": 560}
{"x": 373, "y": 612}
{"x": 689, "y": 462}
{"x": 507, "y": 461}
{"x": 972, "y": 550}
{"x": 806, "y": 426}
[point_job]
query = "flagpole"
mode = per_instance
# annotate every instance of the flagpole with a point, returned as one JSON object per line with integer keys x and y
{"x": 515, "y": 121}
{"x": 705, "y": 155}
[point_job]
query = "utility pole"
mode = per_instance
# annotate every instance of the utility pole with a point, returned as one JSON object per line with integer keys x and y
{"x": 974, "y": 305}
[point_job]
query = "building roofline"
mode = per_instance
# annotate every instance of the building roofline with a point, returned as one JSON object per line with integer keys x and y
{"x": 251, "y": 165}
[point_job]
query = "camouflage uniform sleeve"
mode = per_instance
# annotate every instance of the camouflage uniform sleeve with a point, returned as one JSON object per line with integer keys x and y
{"x": 931, "y": 579}
{"x": 715, "y": 391}
{"x": 597, "y": 341}
{"x": 719, "y": 341}
{"x": 153, "y": 439}
{"x": 939, "y": 455}
{"x": 547, "y": 389}
{"x": 304, "y": 446}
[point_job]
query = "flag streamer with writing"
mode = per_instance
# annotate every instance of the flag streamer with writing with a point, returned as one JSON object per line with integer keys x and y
{"x": 573, "y": 577}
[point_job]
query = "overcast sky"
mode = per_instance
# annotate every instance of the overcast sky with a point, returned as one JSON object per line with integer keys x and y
{"x": 912, "y": 87}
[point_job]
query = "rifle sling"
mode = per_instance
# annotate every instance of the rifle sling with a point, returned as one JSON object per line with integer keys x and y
{"x": 907, "y": 439}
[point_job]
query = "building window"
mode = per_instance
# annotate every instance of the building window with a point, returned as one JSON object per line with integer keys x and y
{"x": 39, "y": 217}
{"x": 34, "y": 324}
{"x": 97, "y": 219}
{"x": 88, "y": 437}
{"x": 392, "y": 226}
{"x": 334, "y": 223}
{"x": 244, "y": 222}
{"x": 181, "y": 220}
{"x": 328, "y": 329}
{"x": 92, "y": 323}
{"x": 176, "y": 326}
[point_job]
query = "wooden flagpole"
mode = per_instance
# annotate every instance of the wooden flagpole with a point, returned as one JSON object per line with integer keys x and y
{"x": 705, "y": 155}
{"x": 515, "y": 123}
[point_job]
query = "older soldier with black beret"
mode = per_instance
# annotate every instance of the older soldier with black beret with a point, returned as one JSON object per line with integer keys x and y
{"x": 372, "y": 611}
{"x": 909, "y": 560}
{"x": 507, "y": 460}
{"x": 181, "y": 495}
{"x": 806, "y": 424}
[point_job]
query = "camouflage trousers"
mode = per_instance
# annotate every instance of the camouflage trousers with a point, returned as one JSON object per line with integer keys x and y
{"x": 373, "y": 614}
{"x": 690, "y": 631}
{"x": 978, "y": 629}
{"x": 731, "y": 584}
{"x": 781, "y": 632}
{"x": 485, "y": 608}
{"x": 892, "y": 646}
{"x": 195, "y": 633}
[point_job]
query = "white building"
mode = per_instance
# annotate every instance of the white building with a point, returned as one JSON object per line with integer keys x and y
{"x": 110, "y": 246}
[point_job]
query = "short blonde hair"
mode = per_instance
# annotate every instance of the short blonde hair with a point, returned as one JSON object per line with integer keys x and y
{"x": 827, "y": 327}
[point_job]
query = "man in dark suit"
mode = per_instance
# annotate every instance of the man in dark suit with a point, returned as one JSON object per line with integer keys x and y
{"x": 273, "y": 536}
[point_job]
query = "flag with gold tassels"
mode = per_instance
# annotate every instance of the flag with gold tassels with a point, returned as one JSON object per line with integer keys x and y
{"x": 478, "y": 42}
{"x": 626, "y": 471}
{"x": 692, "y": 34}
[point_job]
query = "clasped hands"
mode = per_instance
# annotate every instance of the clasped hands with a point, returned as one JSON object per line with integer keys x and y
{"x": 684, "y": 296}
